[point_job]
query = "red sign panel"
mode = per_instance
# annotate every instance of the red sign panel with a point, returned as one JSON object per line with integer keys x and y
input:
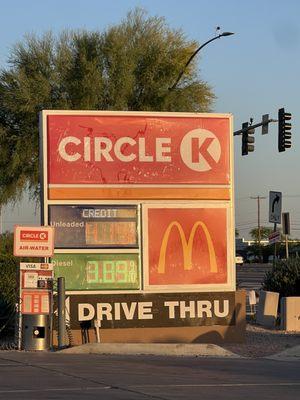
{"x": 34, "y": 236}
{"x": 138, "y": 149}
{"x": 35, "y": 302}
{"x": 187, "y": 246}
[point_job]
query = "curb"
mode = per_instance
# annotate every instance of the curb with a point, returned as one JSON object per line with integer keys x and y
{"x": 157, "y": 349}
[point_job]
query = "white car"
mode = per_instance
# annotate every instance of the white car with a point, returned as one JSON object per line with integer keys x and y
{"x": 239, "y": 260}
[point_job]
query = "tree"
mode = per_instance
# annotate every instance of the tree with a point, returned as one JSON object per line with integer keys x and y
{"x": 6, "y": 243}
{"x": 8, "y": 282}
{"x": 264, "y": 233}
{"x": 129, "y": 66}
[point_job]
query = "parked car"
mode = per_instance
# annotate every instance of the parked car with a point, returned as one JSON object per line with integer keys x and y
{"x": 239, "y": 260}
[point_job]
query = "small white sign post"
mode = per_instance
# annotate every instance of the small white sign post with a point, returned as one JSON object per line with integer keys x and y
{"x": 35, "y": 289}
{"x": 274, "y": 237}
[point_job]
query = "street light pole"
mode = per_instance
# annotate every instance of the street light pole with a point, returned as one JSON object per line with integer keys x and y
{"x": 195, "y": 53}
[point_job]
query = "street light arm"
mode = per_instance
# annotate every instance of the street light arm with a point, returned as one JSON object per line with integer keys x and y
{"x": 194, "y": 54}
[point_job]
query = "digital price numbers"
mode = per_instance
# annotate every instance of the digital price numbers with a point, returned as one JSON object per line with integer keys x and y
{"x": 98, "y": 271}
{"x": 120, "y": 271}
{"x": 98, "y": 226}
{"x": 110, "y": 233}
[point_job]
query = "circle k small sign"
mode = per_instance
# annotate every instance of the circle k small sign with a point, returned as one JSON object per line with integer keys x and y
{"x": 33, "y": 241}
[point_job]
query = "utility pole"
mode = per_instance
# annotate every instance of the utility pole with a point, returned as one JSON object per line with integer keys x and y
{"x": 258, "y": 198}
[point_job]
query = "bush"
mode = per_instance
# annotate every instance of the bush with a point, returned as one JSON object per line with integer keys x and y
{"x": 8, "y": 289}
{"x": 284, "y": 278}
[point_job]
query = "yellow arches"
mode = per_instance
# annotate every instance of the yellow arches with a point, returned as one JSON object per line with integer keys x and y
{"x": 187, "y": 247}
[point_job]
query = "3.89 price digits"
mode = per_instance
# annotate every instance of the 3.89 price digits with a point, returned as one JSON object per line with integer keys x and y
{"x": 112, "y": 272}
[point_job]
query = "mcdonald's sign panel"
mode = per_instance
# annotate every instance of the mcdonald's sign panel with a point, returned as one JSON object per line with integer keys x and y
{"x": 188, "y": 246}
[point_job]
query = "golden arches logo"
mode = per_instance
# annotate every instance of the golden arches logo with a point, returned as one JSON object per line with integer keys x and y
{"x": 187, "y": 247}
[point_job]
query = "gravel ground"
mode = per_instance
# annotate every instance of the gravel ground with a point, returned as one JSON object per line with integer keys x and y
{"x": 262, "y": 342}
{"x": 259, "y": 342}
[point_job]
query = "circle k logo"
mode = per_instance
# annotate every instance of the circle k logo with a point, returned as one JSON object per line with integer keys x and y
{"x": 200, "y": 150}
{"x": 43, "y": 236}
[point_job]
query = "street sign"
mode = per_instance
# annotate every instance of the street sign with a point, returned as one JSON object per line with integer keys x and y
{"x": 275, "y": 204}
{"x": 33, "y": 241}
{"x": 265, "y": 124}
{"x": 286, "y": 226}
{"x": 274, "y": 237}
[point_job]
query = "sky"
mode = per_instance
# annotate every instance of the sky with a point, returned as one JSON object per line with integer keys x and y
{"x": 254, "y": 72}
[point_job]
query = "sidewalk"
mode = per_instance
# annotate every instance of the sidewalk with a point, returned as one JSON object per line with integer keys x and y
{"x": 157, "y": 349}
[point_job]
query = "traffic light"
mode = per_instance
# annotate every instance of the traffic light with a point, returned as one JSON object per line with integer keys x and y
{"x": 247, "y": 139}
{"x": 284, "y": 130}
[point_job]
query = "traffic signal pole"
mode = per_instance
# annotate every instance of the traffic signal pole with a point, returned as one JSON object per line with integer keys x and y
{"x": 250, "y": 127}
{"x": 284, "y": 131}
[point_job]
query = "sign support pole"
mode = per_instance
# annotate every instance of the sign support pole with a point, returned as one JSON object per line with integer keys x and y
{"x": 286, "y": 247}
{"x": 19, "y": 305}
{"x": 275, "y": 227}
{"x": 61, "y": 298}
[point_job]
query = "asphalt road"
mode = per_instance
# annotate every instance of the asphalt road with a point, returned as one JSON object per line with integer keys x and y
{"x": 251, "y": 276}
{"x": 63, "y": 376}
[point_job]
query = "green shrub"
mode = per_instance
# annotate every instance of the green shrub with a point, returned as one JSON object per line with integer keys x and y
{"x": 284, "y": 278}
{"x": 8, "y": 287}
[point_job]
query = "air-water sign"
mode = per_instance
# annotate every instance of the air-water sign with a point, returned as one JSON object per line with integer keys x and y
{"x": 33, "y": 241}
{"x": 141, "y": 203}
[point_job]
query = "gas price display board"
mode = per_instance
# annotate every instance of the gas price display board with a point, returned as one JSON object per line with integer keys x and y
{"x": 98, "y": 271}
{"x": 97, "y": 226}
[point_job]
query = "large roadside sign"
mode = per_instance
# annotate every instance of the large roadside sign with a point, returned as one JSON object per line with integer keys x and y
{"x": 142, "y": 205}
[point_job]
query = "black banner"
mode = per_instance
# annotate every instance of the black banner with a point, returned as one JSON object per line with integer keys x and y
{"x": 153, "y": 310}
